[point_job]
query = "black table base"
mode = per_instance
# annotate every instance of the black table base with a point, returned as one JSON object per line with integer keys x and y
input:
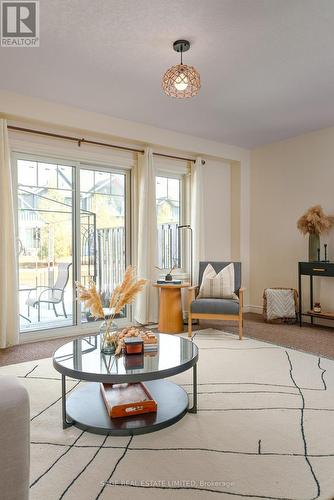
{"x": 85, "y": 408}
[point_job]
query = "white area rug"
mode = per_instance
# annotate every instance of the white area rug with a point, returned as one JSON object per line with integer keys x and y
{"x": 265, "y": 429}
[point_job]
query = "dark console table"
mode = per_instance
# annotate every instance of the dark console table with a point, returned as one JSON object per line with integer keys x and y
{"x": 312, "y": 269}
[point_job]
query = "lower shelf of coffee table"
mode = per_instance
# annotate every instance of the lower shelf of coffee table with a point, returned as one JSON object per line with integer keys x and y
{"x": 86, "y": 409}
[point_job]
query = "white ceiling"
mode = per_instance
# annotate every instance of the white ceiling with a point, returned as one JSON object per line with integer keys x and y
{"x": 267, "y": 66}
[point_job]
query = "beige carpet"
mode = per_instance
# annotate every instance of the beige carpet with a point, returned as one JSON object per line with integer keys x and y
{"x": 265, "y": 429}
{"x": 316, "y": 340}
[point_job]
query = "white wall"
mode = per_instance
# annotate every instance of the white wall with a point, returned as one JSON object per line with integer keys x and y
{"x": 287, "y": 178}
{"x": 217, "y": 210}
{"x": 36, "y": 113}
{"x": 15, "y": 106}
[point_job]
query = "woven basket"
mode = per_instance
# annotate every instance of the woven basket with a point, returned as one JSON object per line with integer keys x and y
{"x": 280, "y": 320}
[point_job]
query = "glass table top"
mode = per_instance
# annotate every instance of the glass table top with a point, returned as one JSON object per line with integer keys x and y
{"x": 82, "y": 359}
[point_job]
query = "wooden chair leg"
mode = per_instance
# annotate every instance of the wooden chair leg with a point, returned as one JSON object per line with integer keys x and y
{"x": 241, "y": 324}
{"x": 190, "y": 325}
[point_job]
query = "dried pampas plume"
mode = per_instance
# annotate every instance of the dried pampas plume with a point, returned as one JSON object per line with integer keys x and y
{"x": 315, "y": 221}
{"x": 126, "y": 292}
{"x": 91, "y": 299}
{"x": 123, "y": 294}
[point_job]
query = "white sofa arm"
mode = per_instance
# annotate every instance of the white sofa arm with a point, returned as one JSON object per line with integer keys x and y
{"x": 14, "y": 440}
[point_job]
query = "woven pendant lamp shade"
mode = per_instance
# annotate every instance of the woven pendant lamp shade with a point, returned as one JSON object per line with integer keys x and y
{"x": 181, "y": 81}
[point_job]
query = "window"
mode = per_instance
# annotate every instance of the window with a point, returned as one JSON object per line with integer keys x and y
{"x": 168, "y": 199}
{"x": 72, "y": 226}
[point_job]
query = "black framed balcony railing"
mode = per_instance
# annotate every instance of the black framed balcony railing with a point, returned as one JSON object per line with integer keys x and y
{"x": 168, "y": 246}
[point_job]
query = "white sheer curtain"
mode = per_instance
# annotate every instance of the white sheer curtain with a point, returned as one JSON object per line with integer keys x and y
{"x": 197, "y": 216}
{"x": 146, "y": 305}
{"x": 9, "y": 319}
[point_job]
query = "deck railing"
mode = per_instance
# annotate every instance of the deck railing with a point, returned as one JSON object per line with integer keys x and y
{"x": 168, "y": 253}
{"x": 103, "y": 255}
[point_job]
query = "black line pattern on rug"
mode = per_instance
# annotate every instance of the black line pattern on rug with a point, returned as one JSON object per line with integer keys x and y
{"x": 237, "y": 348}
{"x": 323, "y": 371}
{"x": 209, "y": 450}
{"x": 54, "y": 402}
{"x": 302, "y": 409}
{"x": 255, "y": 383}
{"x": 232, "y": 452}
{"x": 203, "y": 383}
{"x": 57, "y": 460}
{"x": 302, "y": 426}
{"x": 209, "y": 383}
{"x": 26, "y": 375}
{"x": 84, "y": 468}
{"x": 41, "y": 378}
{"x": 242, "y": 383}
{"x": 244, "y": 392}
{"x": 299, "y": 408}
{"x": 194, "y": 488}
{"x": 114, "y": 469}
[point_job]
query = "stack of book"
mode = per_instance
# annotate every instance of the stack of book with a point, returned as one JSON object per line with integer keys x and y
{"x": 172, "y": 282}
{"x": 150, "y": 342}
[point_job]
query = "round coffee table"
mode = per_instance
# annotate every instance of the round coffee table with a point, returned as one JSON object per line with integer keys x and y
{"x": 84, "y": 406}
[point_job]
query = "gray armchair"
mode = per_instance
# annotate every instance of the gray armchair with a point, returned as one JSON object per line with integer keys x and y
{"x": 221, "y": 309}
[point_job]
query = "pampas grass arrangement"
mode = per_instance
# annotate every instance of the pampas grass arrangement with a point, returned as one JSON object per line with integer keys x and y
{"x": 122, "y": 295}
{"x": 315, "y": 221}
{"x": 91, "y": 299}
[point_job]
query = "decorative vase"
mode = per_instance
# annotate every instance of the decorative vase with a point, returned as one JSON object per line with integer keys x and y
{"x": 108, "y": 339}
{"x": 169, "y": 277}
{"x": 313, "y": 245}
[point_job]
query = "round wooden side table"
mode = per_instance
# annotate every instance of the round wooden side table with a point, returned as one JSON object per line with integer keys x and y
{"x": 170, "y": 313}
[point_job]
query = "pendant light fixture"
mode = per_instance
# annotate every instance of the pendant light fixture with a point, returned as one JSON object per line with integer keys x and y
{"x": 181, "y": 80}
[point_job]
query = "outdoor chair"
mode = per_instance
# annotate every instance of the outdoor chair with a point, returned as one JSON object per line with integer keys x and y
{"x": 50, "y": 295}
{"x": 216, "y": 308}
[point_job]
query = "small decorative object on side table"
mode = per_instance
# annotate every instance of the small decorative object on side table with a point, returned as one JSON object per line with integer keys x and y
{"x": 169, "y": 275}
{"x": 317, "y": 308}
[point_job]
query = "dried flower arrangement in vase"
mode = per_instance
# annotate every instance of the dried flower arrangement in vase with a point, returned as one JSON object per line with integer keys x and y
{"x": 122, "y": 295}
{"x": 314, "y": 222}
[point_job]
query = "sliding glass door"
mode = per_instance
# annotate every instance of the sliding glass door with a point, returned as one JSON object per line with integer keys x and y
{"x": 72, "y": 226}
{"x": 102, "y": 230}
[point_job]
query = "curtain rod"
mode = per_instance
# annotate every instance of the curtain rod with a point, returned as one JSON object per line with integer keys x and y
{"x": 95, "y": 143}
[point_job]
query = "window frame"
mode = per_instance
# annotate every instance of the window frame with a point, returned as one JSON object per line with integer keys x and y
{"x": 77, "y": 327}
{"x": 183, "y": 211}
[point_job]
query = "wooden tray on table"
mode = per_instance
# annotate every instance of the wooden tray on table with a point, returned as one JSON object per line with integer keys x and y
{"x": 124, "y": 400}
